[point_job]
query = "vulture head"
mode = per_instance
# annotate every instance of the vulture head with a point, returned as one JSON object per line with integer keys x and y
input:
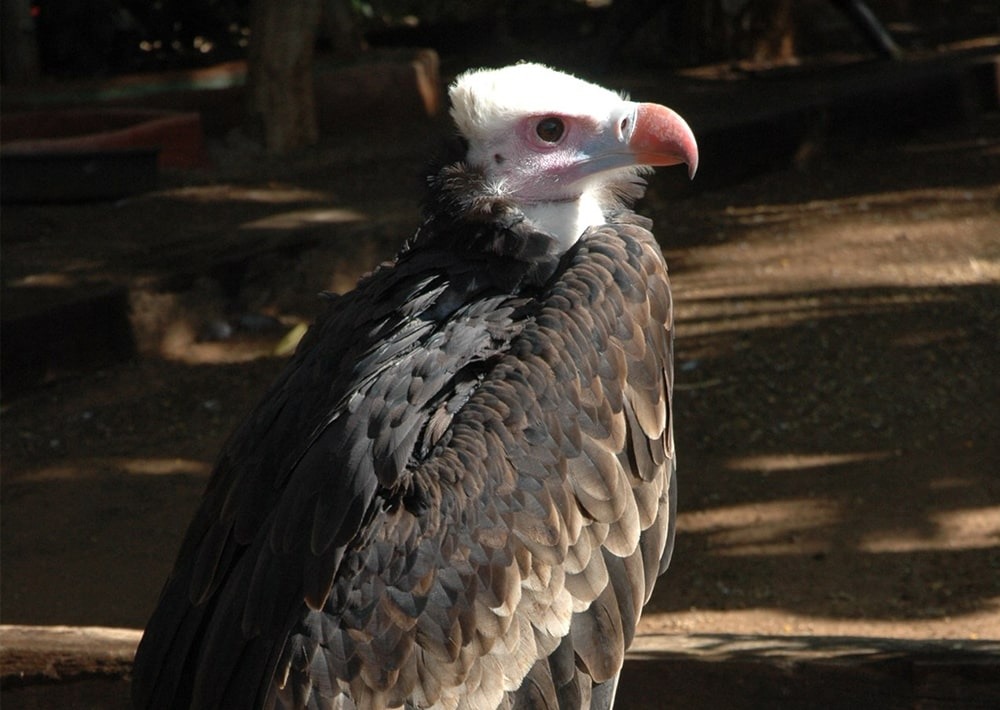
{"x": 563, "y": 150}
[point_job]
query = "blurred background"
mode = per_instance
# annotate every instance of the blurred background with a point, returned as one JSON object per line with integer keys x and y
{"x": 108, "y": 37}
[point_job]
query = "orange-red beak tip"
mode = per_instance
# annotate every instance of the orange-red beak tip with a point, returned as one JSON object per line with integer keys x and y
{"x": 662, "y": 137}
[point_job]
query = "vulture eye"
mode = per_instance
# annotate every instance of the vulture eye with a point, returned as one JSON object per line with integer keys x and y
{"x": 550, "y": 129}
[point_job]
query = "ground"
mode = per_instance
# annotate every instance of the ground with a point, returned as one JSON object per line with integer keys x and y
{"x": 837, "y": 328}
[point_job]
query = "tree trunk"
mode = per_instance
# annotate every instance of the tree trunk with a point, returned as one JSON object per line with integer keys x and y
{"x": 772, "y": 31}
{"x": 20, "y": 49}
{"x": 282, "y": 105}
{"x": 340, "y": 29}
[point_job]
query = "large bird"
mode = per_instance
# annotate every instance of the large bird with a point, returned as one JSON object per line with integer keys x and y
{"x": 461, "y": 490}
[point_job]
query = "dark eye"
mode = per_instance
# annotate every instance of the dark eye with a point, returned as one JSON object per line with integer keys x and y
{"x": 550, "y": 129}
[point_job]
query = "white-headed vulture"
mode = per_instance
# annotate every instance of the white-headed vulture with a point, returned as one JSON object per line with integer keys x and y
{"x": 461, "y": 490}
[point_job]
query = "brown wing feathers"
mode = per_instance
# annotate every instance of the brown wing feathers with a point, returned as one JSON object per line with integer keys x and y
{"x": 562, "y": 524}
{"x": 476, "y": 507}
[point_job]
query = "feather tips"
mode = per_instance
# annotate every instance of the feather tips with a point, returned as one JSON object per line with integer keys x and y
{"x": 475, "y": 500}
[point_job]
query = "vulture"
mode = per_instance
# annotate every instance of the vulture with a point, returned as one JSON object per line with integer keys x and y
{"x": 461, "y": 489}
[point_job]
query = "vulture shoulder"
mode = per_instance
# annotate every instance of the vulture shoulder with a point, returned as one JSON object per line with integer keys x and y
{"x": 459, "y": 492}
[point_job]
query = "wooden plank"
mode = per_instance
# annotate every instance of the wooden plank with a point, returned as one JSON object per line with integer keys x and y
{"x": 43, "y": 654}
{"x": 702, "y": 671}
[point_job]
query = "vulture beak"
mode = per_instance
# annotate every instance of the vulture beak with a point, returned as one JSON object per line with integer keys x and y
{"x": 636, "y": 135}
{"x": 657, "y": 135}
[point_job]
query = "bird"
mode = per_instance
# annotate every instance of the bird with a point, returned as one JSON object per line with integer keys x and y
{"x": 461, "y": 489}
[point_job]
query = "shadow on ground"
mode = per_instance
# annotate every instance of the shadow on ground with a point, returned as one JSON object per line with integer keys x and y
{"x": 842, "y": 465}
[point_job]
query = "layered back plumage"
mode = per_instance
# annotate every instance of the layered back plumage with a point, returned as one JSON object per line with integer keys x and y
{"x": 458, "y": 494}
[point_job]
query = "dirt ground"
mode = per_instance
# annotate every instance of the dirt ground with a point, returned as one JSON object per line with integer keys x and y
{"x": 838, "y": 331}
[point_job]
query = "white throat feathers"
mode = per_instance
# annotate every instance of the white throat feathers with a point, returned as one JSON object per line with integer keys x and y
{"x": 566, "y": 220}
